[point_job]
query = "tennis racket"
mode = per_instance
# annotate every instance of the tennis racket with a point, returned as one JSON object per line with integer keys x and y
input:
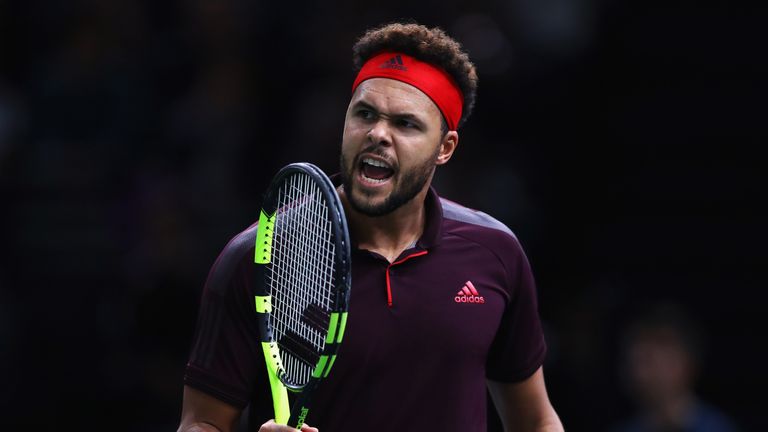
{"x": 303, "y": 276}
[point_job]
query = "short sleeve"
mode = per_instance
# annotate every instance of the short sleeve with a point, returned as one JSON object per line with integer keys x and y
{"x": 518, "y": 349}
{"x": 226, "y": 360}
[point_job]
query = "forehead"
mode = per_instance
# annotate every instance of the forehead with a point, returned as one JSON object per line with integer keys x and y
{"x": 395, "y": 97}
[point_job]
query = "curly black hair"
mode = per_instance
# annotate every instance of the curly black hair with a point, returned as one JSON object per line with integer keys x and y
{"x": 430, "y": 45}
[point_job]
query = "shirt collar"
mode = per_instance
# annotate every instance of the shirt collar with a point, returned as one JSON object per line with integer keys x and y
{"x": 433, "y": 228}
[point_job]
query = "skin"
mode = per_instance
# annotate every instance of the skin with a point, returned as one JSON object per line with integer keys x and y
{"x": 203, "y": 413}
{"x": 395, "y": 123}
{"x": 525, "y": 405}
{"x": 661, "y": 373}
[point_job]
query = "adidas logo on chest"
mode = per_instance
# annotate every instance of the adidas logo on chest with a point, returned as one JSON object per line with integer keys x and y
{"x": 468, "y": 294}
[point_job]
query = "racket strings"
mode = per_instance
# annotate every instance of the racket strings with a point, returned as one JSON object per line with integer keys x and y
{"x": 301, "y": 276}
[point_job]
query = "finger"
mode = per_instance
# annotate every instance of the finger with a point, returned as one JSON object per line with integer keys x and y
{"x": 271, "y": 426}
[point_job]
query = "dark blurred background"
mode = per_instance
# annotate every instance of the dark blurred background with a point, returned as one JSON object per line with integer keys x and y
{"x": 619, "y": 140}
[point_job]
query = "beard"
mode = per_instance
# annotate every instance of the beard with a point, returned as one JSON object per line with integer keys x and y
{"x": 409, "y": 184}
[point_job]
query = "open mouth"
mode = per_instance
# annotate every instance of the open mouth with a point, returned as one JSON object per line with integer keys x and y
{"x": 375, "y": 171}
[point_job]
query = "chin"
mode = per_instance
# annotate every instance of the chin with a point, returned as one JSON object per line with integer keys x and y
{"x": 369, "y": 206}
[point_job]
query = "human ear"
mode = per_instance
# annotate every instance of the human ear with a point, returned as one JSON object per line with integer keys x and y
{"x": 447, "y": 147}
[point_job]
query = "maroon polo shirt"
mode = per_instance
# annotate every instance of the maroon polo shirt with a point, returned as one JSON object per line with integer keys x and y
{"x": 424, "y": 331}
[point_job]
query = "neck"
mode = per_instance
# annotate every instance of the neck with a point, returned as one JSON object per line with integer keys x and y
{"x": 391, "y": 234}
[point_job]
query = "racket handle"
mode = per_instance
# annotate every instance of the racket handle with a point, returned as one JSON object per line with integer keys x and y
{"x": 299, "y": 411}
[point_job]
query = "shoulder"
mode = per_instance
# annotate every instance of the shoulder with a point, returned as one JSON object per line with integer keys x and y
{"x": 463, "y": 225}
{"x": 709, "y": 418}
{"x": 238, "y": 250}
{"x": 476, "y": 225}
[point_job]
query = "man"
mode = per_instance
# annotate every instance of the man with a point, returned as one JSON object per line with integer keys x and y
{"x": 661, "y": 351}
{"x": 443, "y": 303}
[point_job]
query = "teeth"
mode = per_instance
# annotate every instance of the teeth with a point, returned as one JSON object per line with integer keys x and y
{"x": 375, "y": 162}
{"x": 373, "y": 180}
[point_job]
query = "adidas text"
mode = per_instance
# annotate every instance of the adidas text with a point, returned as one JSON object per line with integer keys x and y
{"x": 469, "y": 299}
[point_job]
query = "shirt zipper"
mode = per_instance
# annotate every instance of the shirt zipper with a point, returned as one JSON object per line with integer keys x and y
{"x": 389, "y": 286}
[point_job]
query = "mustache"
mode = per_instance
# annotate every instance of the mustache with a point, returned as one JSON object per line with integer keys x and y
{"x": 376, "y": 150}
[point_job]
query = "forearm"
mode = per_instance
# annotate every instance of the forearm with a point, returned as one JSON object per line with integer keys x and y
{"x": 548, "y": 423}
{"x": 198, "y": 427}
{"x": 204, "y": 413}
{"x": 524, "y": 406}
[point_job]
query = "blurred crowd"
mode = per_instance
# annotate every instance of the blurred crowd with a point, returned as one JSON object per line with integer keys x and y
{"x": 613, "y": 138}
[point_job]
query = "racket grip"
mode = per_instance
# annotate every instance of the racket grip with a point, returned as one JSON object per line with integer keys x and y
{"x": 299, "y": 411}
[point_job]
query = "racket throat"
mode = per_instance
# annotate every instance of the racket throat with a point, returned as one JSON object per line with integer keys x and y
{"x": 279, "y": 391}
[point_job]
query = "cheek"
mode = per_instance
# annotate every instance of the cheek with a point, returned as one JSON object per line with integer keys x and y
{"x": 346, "y": 137}
{"x": 352, "y": 135}
{"x": 418, "y": 152}
{"x": 349, "y": 148}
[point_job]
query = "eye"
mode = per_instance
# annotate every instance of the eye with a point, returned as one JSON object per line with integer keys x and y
{"x": 407, "y": 124}
{"x": 365, "y": 114}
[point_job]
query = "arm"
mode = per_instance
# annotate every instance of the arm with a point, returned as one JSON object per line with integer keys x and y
{"x": 225, "y": 351}
{"x": 524, "y": 405}
{"x": 204, "y": 413}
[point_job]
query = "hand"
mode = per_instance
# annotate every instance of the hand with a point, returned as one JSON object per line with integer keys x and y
{"x": 271, "y": 426}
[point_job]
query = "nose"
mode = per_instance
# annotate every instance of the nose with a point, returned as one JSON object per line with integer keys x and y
{"x": 380, "y": 133}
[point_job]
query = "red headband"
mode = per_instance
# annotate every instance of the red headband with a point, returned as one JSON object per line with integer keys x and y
{"x": 431, "y": 80}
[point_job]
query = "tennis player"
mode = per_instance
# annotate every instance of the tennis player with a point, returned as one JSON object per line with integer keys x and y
{"x": 443, "y": 302}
